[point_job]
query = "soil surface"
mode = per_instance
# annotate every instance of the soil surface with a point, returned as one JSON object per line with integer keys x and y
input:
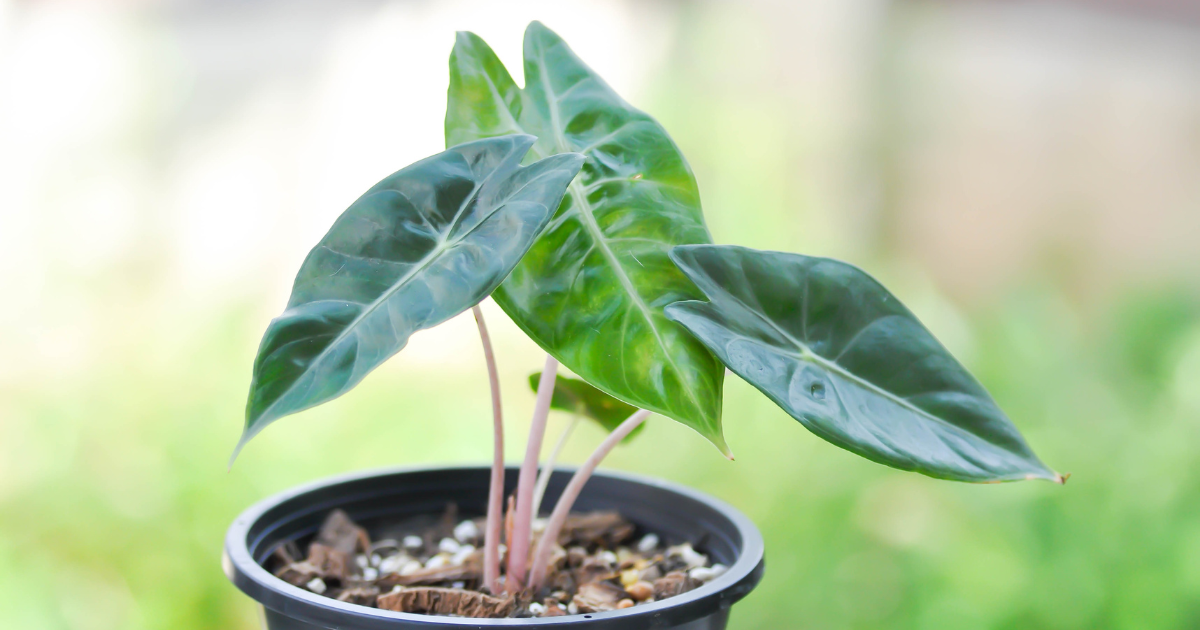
{"x": 434, "y": 566}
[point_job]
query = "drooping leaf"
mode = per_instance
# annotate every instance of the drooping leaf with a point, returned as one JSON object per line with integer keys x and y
{"x": 418, "y": 248}
{"x": 843, "y": 356}
{"x": 592, "y": 289}
{"x": 578, "y": 396}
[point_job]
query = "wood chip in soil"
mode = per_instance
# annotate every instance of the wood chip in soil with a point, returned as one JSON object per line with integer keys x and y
{"x": 605, "y": 529}
{"x": 446, "y": 601}
{"x": 599, "y": 597}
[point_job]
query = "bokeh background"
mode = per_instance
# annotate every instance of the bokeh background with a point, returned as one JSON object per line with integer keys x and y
{"x": 1024, "y": 175}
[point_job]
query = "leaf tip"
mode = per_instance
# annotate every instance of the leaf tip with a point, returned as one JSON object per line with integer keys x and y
{"x": 718, "y": 441}
{"x": 236, "y": 450}
{"x": 248, "y": 434}
{"x": 1056, "y": 477}
{"x": 464, "y": 37}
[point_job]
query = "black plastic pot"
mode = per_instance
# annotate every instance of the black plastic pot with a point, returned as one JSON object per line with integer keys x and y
{"x": 374, "y": 499}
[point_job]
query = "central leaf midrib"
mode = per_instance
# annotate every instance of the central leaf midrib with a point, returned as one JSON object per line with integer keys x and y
{"x": 583, "y": 209}
{"x": 806, "y": 354}
{"x": 441, "y": 247}
{"x": 588, "y": 220}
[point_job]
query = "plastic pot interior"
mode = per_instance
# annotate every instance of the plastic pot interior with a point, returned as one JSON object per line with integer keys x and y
{"x": 378, "y": 499}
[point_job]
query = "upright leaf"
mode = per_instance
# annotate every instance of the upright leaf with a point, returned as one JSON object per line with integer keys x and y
{"x": 421, "y": 246}
{"x": 579, "y": 397}
{"x": 592, "y": 289}
{"x": 834, "y": 349}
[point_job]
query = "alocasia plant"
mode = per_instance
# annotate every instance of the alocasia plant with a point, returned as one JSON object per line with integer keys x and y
{"x": 612, "y": 272}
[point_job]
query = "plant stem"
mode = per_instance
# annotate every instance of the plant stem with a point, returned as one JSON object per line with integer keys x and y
{"x": 561, "y": 509}
{"x": 548, "y": 467}
{"x": 518, "y": 550}
{"x": 491, "y": 539}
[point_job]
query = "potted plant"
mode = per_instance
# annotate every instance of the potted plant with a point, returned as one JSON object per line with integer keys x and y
{"x": 580, "y": 217}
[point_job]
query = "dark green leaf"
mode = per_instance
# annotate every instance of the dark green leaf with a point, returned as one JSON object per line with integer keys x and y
{"x": 830, "y": 345}
{"x": 421, "y": 246}
{"x": 577, "y": 396}
{"x": 592, "y": 289}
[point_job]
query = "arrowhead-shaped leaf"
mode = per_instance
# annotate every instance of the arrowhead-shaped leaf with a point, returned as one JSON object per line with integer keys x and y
{"x": 578, "y": 396}
{"x": 834, "y": 349}
{"x": 418, "y": 248}
{"x": 592, "y": 289}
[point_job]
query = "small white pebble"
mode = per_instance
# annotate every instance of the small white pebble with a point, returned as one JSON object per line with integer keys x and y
{"x": 503, "y": 549}
{"x": 361, "y": 561}
{"x": 538, "y": 525}
{"x": 462, "y": 554}
{"x": 370, "y": 574}
{"x": 413, "y": 542}
{"x": 572, "y": 609}
{"x": 316, "y": 585}
{"x": 410, "y": 567}
{"x": 466, "y": 531}
{"x": 458, "y": 584}
{"x": 703, "y": 574}
{"x": 537, "y": 608}
{"x": 376, "y": 559}
{"x": 438, "y": 561}
{"x": 449, "y": 545}
{"x": 690, "y": 556}
{"x": 707, "y": 574}
{"x": 392, "y": 564}
{"x": 609, "y": 557}
{"x": 648, "y": 543}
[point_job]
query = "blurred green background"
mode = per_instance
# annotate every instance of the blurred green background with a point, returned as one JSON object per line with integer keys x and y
{"x": 1025, "y": 176}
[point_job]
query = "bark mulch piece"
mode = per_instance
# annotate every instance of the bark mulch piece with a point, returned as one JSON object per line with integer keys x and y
{"x": 598, "y": 597}
{"x": 446, "y": 601}
{"x": 469, "y": 572}
{"x": 554, "y": 608}
{"x": 605, "y": 529}
{"x": 331, "y": 563}
{"x": 672, "y": 584}
{"x": 286, "y": 553}
{"x": 342, "y": 534}
{"x": 361, "y": 595}
{"x": 297, "y": 573}
{"x": 330, "y": 556}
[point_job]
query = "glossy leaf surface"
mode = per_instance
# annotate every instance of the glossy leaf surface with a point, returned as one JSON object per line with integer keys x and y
{"x": 592, "y": 289}
{"x": 418, "y": 248}
{"x": 843, "y": 356}
{"x": 578, "y": 396}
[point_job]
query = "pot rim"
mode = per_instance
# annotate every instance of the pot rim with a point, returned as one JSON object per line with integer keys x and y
{"x": 274, "y": 593}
